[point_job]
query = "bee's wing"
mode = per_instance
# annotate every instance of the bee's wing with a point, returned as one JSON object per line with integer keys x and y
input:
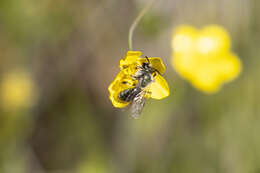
{"x": 138, "y": 105}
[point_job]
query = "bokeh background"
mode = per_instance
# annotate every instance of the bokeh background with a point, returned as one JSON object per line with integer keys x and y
{"x": 57, "y": 58}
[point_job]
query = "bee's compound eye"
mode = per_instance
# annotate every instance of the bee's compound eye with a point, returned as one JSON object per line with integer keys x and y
{"x": 145, "y": 65}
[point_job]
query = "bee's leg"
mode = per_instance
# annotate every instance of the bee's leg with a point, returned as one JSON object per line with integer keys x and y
{"x": 155, "y": 72}
{"x": 134, "y": 77}
{"x": 153, "y": 76}
{"x": 147, "y": 94}
{"x": 158, "y": 72}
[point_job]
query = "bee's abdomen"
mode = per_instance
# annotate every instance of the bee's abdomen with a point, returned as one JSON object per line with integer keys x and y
{"x": 129, "y": 94}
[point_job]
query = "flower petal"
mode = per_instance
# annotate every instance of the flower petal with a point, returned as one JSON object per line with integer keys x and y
{"x": 213, "y": 39}
{"x": 184, "y": 64}
{"x": 159, "y": 89}
{"x": 184, "y": 38}
{"x": 130, "y": 58}
{"x": 230, "y": 67}
{"x": 206, "y": 80}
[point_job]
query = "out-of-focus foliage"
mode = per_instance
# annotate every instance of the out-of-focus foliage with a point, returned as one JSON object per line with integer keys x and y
{"x": 17, "y": 91}
{"x": 67, "y": 53}
{"x": 204, "y": 57}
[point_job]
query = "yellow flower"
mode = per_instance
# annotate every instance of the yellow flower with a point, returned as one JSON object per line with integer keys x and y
{"x": 158, "y": 89}
{"x": 17, "y": 91}
{"x": 204, "y": 57}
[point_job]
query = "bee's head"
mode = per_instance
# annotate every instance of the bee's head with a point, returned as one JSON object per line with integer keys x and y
{"x": 148, "y": 66}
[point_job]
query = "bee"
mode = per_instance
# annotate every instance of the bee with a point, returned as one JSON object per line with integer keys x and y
{"x": 136, "y": 96}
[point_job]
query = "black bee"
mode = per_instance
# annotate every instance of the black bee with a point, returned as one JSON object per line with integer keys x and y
{"x": 145, "y": 76}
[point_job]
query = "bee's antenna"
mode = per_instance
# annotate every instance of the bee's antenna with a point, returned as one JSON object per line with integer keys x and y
{"x": 147, "y": 59}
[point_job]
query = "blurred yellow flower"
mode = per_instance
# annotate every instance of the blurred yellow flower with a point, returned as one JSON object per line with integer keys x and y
{"x": 17, "y": 91}
{"x": 130, "y": 66}
{"x": 204, "y": 57}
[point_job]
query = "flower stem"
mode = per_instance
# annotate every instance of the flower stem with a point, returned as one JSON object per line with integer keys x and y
{"x": 135, "y": 23}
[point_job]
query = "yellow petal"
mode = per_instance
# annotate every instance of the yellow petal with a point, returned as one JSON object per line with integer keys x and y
{"x": 213, "y": 39}
{"x": 130, "y": 58}
{"x": 230, "y": 67}
{"x": 184, "y": 64}
{"x": 206, "y": 81}
{"x": 159, "y": 88}
{"x": 211, "y": 75}
{"x": 184, "y": 38}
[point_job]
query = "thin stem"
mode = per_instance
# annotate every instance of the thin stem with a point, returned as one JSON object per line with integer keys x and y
{"x": 135, "y": 23}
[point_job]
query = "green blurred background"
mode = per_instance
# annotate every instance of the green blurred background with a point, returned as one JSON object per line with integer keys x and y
{"x": 67, "y": 53}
